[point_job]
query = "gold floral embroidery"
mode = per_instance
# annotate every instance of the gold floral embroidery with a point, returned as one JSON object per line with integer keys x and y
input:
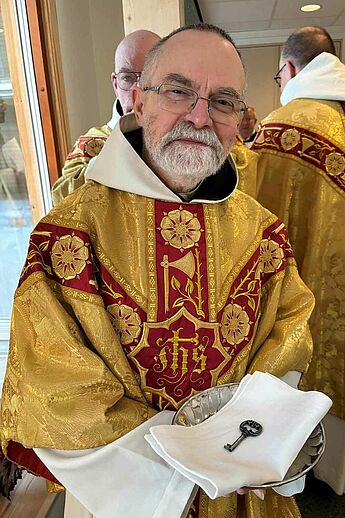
{"x": 235, "y": 324}
{"x": 180, "y": 228}
{"x": 335, "y": 164}
{"x": 126, "y": 322}
{"x": 94, "y": 146}
{"x": 271, "y": 256}
{"x": 290, "y": 138}
{"x": 69, "y": 256}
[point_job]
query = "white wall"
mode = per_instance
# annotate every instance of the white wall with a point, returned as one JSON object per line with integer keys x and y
{"x": 89, "y": 31}
{"x": 261, "y": 65}
{"x": 107, "y": 32}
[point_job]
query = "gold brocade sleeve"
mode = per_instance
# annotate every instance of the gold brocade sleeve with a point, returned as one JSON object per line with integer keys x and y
{"x": 73, "y": 172}
{"x": 68, "y": 383}
{"x": 246, "y": 163}
{"x": 283, "y": 341}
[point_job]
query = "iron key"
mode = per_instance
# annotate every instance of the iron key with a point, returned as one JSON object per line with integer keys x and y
{"x": 249, "y": 429}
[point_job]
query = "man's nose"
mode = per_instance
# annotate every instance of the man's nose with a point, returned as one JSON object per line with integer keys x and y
{"x": 199, "y": 116}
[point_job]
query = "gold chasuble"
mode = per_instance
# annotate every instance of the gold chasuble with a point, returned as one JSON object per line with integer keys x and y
{"x": 301, "y": 176}
{"x": 128, "y": 305}
{"x": 85, "y": 148}
{"x": 73, "y": 172}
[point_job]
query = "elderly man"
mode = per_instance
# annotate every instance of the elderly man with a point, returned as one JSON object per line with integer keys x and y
{"x": 247, "y": 126}
{"x": 129, "y": 62}
{"x": 301, "y": 173}
{"x": 155, "y": 281}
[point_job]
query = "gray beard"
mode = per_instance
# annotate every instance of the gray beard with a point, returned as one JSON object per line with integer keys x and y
{"x": 180, "y": 165}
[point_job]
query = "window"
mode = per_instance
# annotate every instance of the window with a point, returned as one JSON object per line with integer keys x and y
{"x": 24, "y": 178}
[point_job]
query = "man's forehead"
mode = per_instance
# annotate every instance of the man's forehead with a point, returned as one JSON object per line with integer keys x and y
{"x": 201, "y": 57}
{"x": 130, "y": 62}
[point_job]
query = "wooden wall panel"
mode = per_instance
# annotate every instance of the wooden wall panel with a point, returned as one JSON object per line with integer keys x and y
{"x": 50, "y": 90}
{"x": 160, "y": 16}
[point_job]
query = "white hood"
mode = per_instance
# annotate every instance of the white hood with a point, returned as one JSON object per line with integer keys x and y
{"x": 120, "y": 167}
{"x": 116, "y": 114}
{"x": 323, "y": 78}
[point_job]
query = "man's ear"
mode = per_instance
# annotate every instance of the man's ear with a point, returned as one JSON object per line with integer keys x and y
{"x": 290, "y": 70}
{"x": 114, "y": 83}
{"x": 138, "y": 98}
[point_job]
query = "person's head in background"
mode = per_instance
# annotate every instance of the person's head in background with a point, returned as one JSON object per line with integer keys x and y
{"x": 129, "y": 63}
{"x": 190, "y": 104}
{"x": 247, "y": 126}
{"x": 301, "y": 47}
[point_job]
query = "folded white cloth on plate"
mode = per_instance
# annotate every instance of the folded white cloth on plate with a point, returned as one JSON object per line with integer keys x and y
{"x": 287, "y": 415}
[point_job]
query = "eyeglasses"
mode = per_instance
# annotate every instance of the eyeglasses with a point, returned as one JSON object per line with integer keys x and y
{"x": 125, "y": 80}
{"x": 177, "y": 99}
{"x": 277, "y": 77}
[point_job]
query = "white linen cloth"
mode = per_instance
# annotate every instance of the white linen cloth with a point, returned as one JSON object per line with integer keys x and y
{"x": 124, "y": 478}
{"x": 287, "y": 416}
{"x": 322, "y": 78}
{"x": 331, "y": 468}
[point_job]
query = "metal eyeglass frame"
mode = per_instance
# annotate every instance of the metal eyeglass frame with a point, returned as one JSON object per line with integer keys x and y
{"x": 137, "y": 79}
{"x": 197, "y": 97}
{"x": 277, "y": 77}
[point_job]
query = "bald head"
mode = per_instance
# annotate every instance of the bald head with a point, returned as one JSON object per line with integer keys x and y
{"x": 305, "y": 44}
{"x": 130, "y": 57}
{"x": 133, "y": 49}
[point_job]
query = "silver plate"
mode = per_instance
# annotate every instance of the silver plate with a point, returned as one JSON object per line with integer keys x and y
{"x": 201, "y": 406}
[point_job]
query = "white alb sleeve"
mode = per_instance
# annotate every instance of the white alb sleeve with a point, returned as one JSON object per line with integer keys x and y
{"x": 124, "y": 478}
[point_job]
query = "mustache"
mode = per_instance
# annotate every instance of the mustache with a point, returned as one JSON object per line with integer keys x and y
{"x": 185, "y": 130}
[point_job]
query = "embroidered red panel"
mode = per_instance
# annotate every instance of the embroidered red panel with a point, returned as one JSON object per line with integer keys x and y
{"x": 306, "y": 145}
{"x": 181, "y": 259}
{"x": 239, "y": 315}
{"x": 64, "y": 255}
{"x": 180, "y": 351}
{"x": 86, "y": 147}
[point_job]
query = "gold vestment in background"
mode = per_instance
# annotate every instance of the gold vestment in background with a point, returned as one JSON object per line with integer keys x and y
{"x": 73, "y": 172}
{"x": 246, "y": 162}
{"x": 301, "y": 178}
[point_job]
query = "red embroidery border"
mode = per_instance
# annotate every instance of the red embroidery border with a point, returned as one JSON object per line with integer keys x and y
{"x": 42, "y": 239}
{"x": 316, "y": 154}
{"x": 81, "y": 144}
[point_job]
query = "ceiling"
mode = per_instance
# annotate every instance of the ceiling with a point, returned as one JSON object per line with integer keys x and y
{"x": 257, "y": 15}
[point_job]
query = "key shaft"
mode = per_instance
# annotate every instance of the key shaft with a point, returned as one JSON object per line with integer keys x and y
{"x": 231, "y": 447}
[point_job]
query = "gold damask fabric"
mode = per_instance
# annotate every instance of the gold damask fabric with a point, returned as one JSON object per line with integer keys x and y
{"x": 247, "y": 506}
{"x": 73, "y": 172}
{"x": 246, "y": 163}
{"x": 129, "y": 305}
{"x": 301, "y": 177}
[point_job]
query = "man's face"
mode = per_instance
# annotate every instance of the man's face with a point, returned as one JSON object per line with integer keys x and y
{"x": 185, "y": 148}
{"x": 123, "y": 82}
{"x": 130, "y": 57}
{"x": 247, "y": 125}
